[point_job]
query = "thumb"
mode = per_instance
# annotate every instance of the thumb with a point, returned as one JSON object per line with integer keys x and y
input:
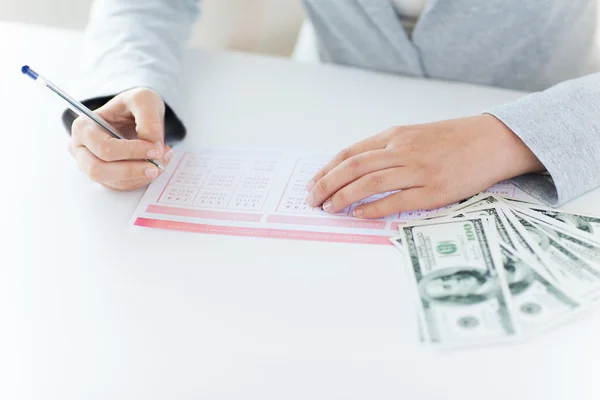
{"x": 148, "y": 109}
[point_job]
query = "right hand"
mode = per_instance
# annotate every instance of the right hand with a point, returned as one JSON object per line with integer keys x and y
{"x": 138, "y": 114}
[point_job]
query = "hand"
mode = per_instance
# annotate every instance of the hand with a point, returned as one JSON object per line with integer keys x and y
{"x": 432, "y": 164}
{"x": 138, "y": 114}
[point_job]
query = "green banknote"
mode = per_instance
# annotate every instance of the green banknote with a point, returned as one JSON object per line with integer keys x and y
{"x": 569, "y": 270}
{"x": 537, "y": 302}
{"x": 462, "y": 295}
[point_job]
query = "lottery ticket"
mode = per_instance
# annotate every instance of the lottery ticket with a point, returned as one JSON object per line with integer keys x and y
{"x": 254, "y": 192}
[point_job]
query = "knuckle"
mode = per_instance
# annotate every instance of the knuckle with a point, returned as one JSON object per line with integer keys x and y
{"x": 131, "y": 151}
{"x": 94, "y": 170}
{"x": 78, "y": 123}
{"x": 432, "y": 171}
{"x": 139, "y": 94}
{"x": 391, "y": 131}
{"x": 376, "y": 180}
{"x": 354, "y": 163}
{"x": 143, "y": 95}
{"x": 322, "y": 186}
{"x": 419, "y": 175}
{"x": 105, "y": 152}
{"x": 408, "y": 148}
{"x": 422, "y": 167}
{"x": 78, "y": 127}
{"x": 426, "y": 170}
{"x": 340, "y": 198}
{"x": 149, "y": 127}
{"x": 345, "y": 153}
{"x": 440, "y": 189}
{"x": 129, "y": 172}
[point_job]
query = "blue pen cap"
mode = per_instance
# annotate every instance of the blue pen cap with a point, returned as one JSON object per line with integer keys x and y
{"x": 29, "y": 72}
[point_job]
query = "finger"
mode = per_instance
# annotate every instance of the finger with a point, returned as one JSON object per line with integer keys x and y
{"x": 164, "y": 161}
{"x": 348, "y": 171}
{"x": 407, "y": 200}
{"x": 374, "y": 183}
{"x": 168, "y": 155}
{"x": 148, "y": 110}
{"x": 373, "y": 143}
{"x": 138, "y": 183}
{"x": 115, "y": 109}
{"x": 107, "y": 148}
{"x": 102, "y": 172}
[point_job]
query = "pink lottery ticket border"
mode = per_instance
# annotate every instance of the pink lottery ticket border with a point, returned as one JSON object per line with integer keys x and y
{"x": 261, "y": 232}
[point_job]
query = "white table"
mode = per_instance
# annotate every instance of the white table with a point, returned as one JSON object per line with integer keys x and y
{"x": 117, "y": 312}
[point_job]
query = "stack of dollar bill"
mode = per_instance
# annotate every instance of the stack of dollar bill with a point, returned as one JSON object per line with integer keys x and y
{"x": 494, "y": 270}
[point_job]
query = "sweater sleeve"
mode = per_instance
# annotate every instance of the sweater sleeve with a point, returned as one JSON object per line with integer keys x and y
{"x": 130, "y": 43}
{"x": 561, "y": 126}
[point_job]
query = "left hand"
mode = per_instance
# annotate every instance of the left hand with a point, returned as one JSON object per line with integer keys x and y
{"x": 432, "y": 164}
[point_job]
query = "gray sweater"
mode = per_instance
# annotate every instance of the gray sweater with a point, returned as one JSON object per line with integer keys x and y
{"x": 546, "y": 46}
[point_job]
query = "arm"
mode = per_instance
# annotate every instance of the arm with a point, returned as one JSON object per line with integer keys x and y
{"x": 561, "y": 126}
{"x": 132, "y": 44}
{"x": 436, "y": 164}
{"x": 132, "y": 58}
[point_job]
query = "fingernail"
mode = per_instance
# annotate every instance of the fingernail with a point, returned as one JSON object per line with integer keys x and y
{"x": 160, "y": 149}
{"x": 153, "y": 154}
{"x": 310, "y": 185}
{"x": 327, "y": 206}
{"x": 309, "y": 199}
{"x": 358, "y": 213}
{"x": 168, "y": 156}
{"x": 152, "y": 173}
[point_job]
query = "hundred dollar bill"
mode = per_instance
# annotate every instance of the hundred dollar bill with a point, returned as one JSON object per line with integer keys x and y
{"x": 586, "y": 223}
{"x": 538, "y": 303}
{"x": 525, "y": 245}
{"x": 478, "y": 199}
{"x": 457, "y": 270}
{"x": 570, "y": 271}
{"x": 494, "y": 211}
{"x": 487, "y": 198}
{"x": 397, "y": 242}
{"x": 506, "y": 233}
{"x": 453, "y": 211}
{"x": 482, "y": 199}
{"x": 582, "y": 244}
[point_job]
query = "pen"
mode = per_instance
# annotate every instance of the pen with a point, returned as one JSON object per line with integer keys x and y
{"x": 79, "y": 108}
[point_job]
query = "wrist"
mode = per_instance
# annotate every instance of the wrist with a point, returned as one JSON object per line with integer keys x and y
{"x": 511, "y": 155}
